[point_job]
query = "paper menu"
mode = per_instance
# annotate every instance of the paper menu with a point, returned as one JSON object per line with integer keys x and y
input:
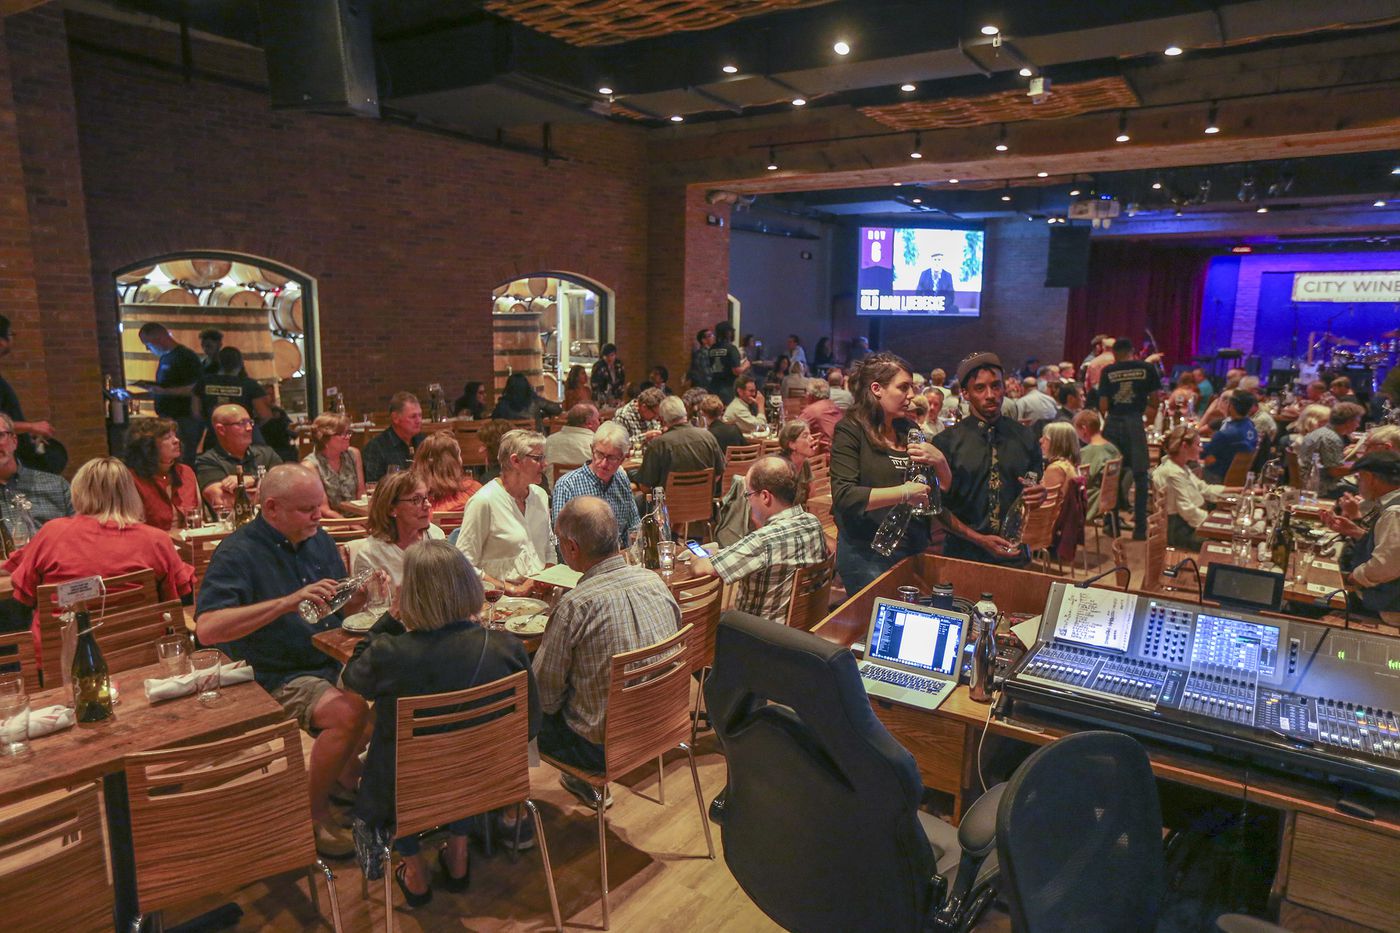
{"x": 1099, "y": 617}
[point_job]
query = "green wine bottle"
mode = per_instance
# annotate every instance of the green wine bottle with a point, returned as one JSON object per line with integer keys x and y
{"x": 92, "y": 688}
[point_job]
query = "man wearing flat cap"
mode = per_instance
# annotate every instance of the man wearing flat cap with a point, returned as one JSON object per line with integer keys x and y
{"x": 1373, "y": 566}
{"x": 988, "y": 454}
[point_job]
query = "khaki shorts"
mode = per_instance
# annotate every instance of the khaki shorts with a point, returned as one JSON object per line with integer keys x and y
{"x": 299, "y": 697}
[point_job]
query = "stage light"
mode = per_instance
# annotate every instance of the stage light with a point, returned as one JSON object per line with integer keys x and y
{"x": 1025, "y": 72}
{"x": 1042, "y": 174}
{"x": 676, "y": 118}
{"x": 605, "y": 90}
{"x": 1172, "y": 50}
{"x": 799, "y": 102}
{"x": 952, "y": 181}
{"x": 918, "y": 145}
{"x": 772, "y": 160}
{"x": 1074, "y": 192}
{"x": 907, "y": 88}
{"x": 1261, "y": 209}
{"x": 990, "y": 30}
{"x": 730, "y": 69}
{"x": 1001, "y": 139}
{"x": 918, "y": 200}
{"x": 1378, "y": 203}
{"x": 1212, "y": 120}
{"x": 841, "y": 48}
{"x": 1122, "y": 136}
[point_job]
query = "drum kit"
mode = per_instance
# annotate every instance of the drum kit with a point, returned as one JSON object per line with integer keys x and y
{"x": 1343, "y": 355}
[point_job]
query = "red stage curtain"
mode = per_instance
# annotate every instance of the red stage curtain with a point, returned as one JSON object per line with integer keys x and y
{"x": 1135, "y": 286}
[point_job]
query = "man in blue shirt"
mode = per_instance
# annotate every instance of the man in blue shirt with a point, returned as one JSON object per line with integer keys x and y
{"x": 248, "y": 607}
{"x": 601, "y": 477}
{"x": 1236, "y": 436}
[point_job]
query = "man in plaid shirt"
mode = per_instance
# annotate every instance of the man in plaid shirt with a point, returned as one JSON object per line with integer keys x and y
{"x": 615, "y": 608}
{"x": 639, "y": 415}
{"x": 764, "y": 561}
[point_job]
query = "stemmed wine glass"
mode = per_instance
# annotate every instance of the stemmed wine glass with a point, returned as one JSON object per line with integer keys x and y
{"x": 493, "y": 596}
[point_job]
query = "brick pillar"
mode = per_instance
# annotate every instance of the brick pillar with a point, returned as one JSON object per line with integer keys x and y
{"x": 687, "y": 273}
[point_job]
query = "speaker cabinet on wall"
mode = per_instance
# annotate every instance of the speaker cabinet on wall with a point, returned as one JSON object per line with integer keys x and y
{"x": 320, "y": 55}
{"x": 1067, "y": 264}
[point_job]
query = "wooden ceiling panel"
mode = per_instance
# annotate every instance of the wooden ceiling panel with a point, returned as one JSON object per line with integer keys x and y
{"x": 1064, "y": 100}
{"x": 609, "y": 22}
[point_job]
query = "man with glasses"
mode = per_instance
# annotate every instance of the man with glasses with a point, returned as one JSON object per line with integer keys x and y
{"x": 47, "y": 492}
{"x": 601, "y": 477}
{"x": 681, "y": 448}
{"x": 216, "y": 470}
{"x": 392, "y": 447}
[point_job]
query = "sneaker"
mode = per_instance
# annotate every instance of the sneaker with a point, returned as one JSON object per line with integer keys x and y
{"x": 333, "y": 841}
{"x": 584, "y": 791}
{"x": 505, "y": 832}
{"x": 717, "y": 807}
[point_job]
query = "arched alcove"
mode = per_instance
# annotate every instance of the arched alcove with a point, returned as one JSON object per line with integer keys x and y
{"x": 547, "y": 322}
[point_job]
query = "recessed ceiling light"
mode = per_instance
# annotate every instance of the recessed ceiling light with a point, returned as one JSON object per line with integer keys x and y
{"x": 799, "y": 101}
{"x": 1006, "y": 197}
{"x": 918, "y": 200}
{"x": 1042, "y": 174}
{"x": 730, "y": 69}
{"x": 1212, "y": 130}
{"x": 907, "y": 88}
{"x": 1074, "y": 192}
{"x": 990, "y": 30}
{"x": 1378, "y": 203}
{"x": 841, "y": 48}
{"x": 1261, "y": 209}
{"x": 1001, "y": 147}
{"x": 1156, "y": 186}
{"x": 605, "y": 90}
{"x": 898, "y": 184}
{"x": 1122, "y": 138}
{"x": 1172, "y": 50}
{"x": 1025, "y": 72}
{"x": 772, "y": 166}
{"x": 916, "y": 154}
{"x": 772, "y": 159}
{"x": 952, "y": 181}
{"x": 676, "y": 118}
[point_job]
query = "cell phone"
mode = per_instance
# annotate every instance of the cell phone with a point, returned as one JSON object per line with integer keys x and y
{"x": 696, "y": 549}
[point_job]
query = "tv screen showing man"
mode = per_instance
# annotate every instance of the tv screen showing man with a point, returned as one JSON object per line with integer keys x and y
{"x": 920, "y": 271}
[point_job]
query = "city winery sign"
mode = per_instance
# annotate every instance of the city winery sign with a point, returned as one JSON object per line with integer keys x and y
{"x": 1346, "y": 286}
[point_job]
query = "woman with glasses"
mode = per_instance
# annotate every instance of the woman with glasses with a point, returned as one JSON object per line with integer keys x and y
{"x": 505, "y": 527}
{"x": 439, "y": 465}
{"x": 166, "y": 486}
{"x": 1187, "y": 494}
{"x": 336, "y": 462}
{"x": 400, "y": 515}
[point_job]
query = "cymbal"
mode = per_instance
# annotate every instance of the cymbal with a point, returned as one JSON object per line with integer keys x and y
{"x": 1341, "y": 341}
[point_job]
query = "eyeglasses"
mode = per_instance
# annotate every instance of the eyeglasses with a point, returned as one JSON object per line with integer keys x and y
{"x": 538, "y": 458}
{"x": 8, "y": 434}
{"x": 245, "y": 423}
{"x": 753, "y": 492}
{"x": 609, "y": 458}
{"x": 416, "y": 501}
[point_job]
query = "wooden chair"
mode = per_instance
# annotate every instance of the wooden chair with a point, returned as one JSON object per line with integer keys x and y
{"x": 344, "y": 530}
{"x": 1109, "y": 485}
{"x": 1039, "y": 530}
{"x": 1295, "y": 471}
{"x": 128, "y": 638}
{"x": 557, "y": 470}
{"x": 523, "y": 424}
{"x": 17, "y": 657}
{"x": 648, "y": 714}
{"x": 1123, "y": 576}
{"x": 811, "y": 594}
{"x": 55, "y": 865}
{"x": 446, "y": 520}
{"x": 468, "y": 437}
{"x": 214, "y": 817}
{"x": 1239, "y": 469}
{"x": 701, "y": 602}
{"x": 690, "y": 497}
{"x": 821, "y": 476}
{"x": 124, "y": 591}
{"x": 486, "y": 726}
{"x": 793, "y": 405}
{"x": 737, "y": 460}
{"x": 305, "y": 446}
{"x": 198, "y": 551}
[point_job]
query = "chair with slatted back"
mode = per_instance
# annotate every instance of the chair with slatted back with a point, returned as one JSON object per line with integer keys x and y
{"x": 487, "y": 725}
{"x": 811, "y": 594}
{"x": 1110, "y": 478}
{"x": 53, "y": 865}
{"x": 701, "y": 601}
{"x": 557, "y": 470}
{"x": 17, "y": 657}
{"x": 1295, "y": 471}
{"x": 771, "y": 447}
{"x": 1039, "y": 530}
{"x": 1239, "y": 468}
{"x": 198, "y": 550}
{"x": 446, "y": 520}
{"x": 124, "y": 591}
{"x": 345, "y": 530}
{"x": 690, "y": 497}
{"x": 648, "y": 714}
{"x": 523, "y": 424}
{"x": 820, "y": 484}
{"x": 128, "y": 638}
{"x": 737, "y": 460}
{"x": 211, "y": 818}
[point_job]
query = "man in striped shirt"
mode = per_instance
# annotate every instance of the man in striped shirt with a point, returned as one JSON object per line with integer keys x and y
{"x": 601, "y": 477}
{"x": 639, "y": 415}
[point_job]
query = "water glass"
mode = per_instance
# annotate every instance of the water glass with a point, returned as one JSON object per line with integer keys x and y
{"x": 225, "y": 515}
{"x": 194, "y": 518}
{"x": 173, "y": 651}
{"x": 206, "y": 674}
{"x": 1239, "y": 549}
{"x": 379, "y": 595}
{"x": 634, "y": 547}
{"x": 666, "y": 558}
{"x": 14, "y": 723}
{"x": 1303, "y": 560}
{"x": 11, "y": 683}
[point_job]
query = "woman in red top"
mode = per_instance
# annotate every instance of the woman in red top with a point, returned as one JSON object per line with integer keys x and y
{"x": 438, "y": 465}
{"x": 166, "y": 486}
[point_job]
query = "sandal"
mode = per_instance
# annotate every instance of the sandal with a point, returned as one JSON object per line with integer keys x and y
{"x": 450, "y": 881}
{"x": 411, "y": 899}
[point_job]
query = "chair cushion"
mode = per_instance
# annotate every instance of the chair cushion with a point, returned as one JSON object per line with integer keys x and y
{"x": 943, "y": 838}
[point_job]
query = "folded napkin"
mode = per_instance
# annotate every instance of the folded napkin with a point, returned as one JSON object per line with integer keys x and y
{"x": 49, "y": 719}
{"x": 159, "y": 689}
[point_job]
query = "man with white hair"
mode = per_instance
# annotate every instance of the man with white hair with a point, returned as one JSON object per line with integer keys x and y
{"x": 821, "y": 413}
{"x": 601, "y": 477}
{"x": 682, "y": 447}
{"x": 573, "y": 443}
{"x": 47, "y": 493}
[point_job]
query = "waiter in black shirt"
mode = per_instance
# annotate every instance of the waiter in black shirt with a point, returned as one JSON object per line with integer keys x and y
{"x": 9, "y": 399}
{"x": 1125, "y": 385}
{"x": 988, "y": 456}
{"x": 178, "y": 369}
{"x": 726, "y": 362}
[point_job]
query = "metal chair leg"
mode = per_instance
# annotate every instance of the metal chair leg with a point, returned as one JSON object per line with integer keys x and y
{"x": 330, "y": 887}
{"x": 515, "y": 852}
{"x": 387, "y": 858}
{"x": 603, "y": 852}
{"x": 487, "y": 848}
{"x": 660, "y": 783}
{"x": 699, "y": 704}
{"x": 137, "y": 922}
{"x": 700, "y": 799}
{"x": 548, "y": 868}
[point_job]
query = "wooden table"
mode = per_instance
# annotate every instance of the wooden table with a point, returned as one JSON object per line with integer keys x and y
{"x": 1335, "y": 871}
{"x": 354, "y": 507}
{"x": 86, "y": 753}
{"x": 1220, "y": 523}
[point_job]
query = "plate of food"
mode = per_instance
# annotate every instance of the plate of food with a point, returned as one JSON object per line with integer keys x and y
{"x": 360, "y": 622}
{"x": 528, "y": 625}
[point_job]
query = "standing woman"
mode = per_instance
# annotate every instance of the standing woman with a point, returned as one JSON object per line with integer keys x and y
{"x": 608, "y": 378}
{"x": 576, "y": 387}
{"x": 166, "y": 486}
{"x": 336, "y": 462}
{"x": 869, "y": 461}
{"x": 439, "y": 467}
{"x": 400, "y": 515}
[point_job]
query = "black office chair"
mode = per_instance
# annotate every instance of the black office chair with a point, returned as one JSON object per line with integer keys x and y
{"x": 821, "y": 823}
{"x": 1079, "y": 839}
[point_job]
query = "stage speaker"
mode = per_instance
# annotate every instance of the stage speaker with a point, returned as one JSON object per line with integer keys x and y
{"x": 1067, "y": 264}
{"x": 320, "y": 56}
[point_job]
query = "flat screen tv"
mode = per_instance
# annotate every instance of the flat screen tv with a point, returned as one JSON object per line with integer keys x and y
{"x": 920, "y": 271}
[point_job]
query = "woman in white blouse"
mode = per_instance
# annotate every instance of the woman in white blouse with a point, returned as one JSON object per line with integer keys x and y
{"x": 400, "y": 513}
{"x": 1186, "y": 492}
{"x": 505, "y": 525}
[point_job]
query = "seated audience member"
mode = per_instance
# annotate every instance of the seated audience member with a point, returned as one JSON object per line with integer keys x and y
{"x": 472, "y": 401}
{"x": 1071, "y": 401}
{"x": 505, "y": 526}
{"x": 1066, "y": 371}
{"x": 841, "y": 396}
{"x": 785, "y": 539}
{"x": 918, "y": 413}
{"x": 490, "y": 436}
{"x": 439, "y": 465}
{"x": 692, "y": 398}
{"x": 1328, "y": 443}
{"x": 105, "y": 537}
{"x": 400, "y": 515}
{"x": 1186, "y": 395}
{"x": 1034, "y": 405}
{"x": 638, "y": 417}
{"x": 822, "y": 357}
{"x": 1012, "y": 395}
{"x": 821, "y": 413}
{"x": 933, "y": 422}
{"x": 797, "y": 446}
{"x": 1342, "y": 391}
{"x": 391, "y": 447}
{"x": 608, "y": 376}
{"x": 248, "y": 607}
{"x": 434, "y": 643}
{"x": 601, "y": 477}
{"x": 217, "y": 468}
{"x": 1309, "y": 419}
{"x": 519, "y": 401}
{"x": 166, "y": 486}
{"x": 658, "y": 378}
{"x": 1059, "y": 447}
{"x": 572, "y": 444}
{"x": 782, "y": 368}
{"x": 1095, "y": 451}
{"x": 681, "y": 448}
{"x": 47, "y": 492}
{"x": 1204, "y": 389}
{"x": 1385, "y": 437}
{"x": 577, "y": 389}
{"x": 614, "y": 608}
{"x": 746, "y": 411}
{"x": 335, "y": 461}
{"x": 232, "y": 385}
{"x": 724, "y": 433}
{"x": 1186, "y": 493}
{"x": 1236, "y": 436}
{"x": 796, "y": 380}
{"x": 1372, "y": 565}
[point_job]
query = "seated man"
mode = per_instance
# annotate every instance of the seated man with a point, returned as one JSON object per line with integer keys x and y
{"x": 600, "y": 477}
{"x": 638, "y": 416}
{"x": 1373, "y": 565}
{"x": 1236, "y": 436}
{"x": 681, "y": 448}
{"x": 746, "y": 411}
{"x": 573, "y": 443}
{"x": 47, "y": 493}
{"x": 1070, "y": 399}
{"x": 841, "y": 396}
{"x": 248, "y": 607}
{"x": 1328, "y": 444}
{"x": 615, "y": 608}
{"x": 392, "y": 447}
{"x": 821, "y": 413}
{"x": 727, "y": 436}
{"x": 216, "y": 469}
{"x": 786, "y": 539}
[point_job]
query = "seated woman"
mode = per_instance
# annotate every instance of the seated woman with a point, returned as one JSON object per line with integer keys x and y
{"x": 439, "y": 465}
{"x": 1309, "y": 420}
{"x": 400, "y": 515}
{"x": 336, "y": 462}
{"x": 1059, "y": 445}
{"x": 576, "y": 387}
{"x": 505, "y": 527}
{"x": 166, "y": 486}
{"x": 471, "y": 402}
{"x": 490, "y": 437}
{"x": 435, "y": 645}
{"x": 106, "y": 536}
{"x": 1186, "y": 493}
{"x": 520, "y": 400}
{"x": 774, "y": 381}
{"x": 1095, "y": 451}
{"x": 798, "y": 446}
{"x": 796, "y": 380}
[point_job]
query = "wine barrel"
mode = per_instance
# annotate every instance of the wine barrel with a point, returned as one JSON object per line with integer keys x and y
{"x": 520, "y": 288}
{"x": 135, "y": 275}
{"x": 165, "y": 294}
{"x": 498, "y": 291}
{"x": 198, "y": 273}
{"x": 257, "y": 277}
{"x": 516, "y": 349}
{"x": 548, "y": 312}
{"x": 286, "y": 358}
{"x": 234, "y": 296}
{"x": 503, "y": 305}
{"x": 538, "y": 286}
{"x": 286, "y": 312}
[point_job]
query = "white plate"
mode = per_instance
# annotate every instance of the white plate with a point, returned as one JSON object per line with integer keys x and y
{"x": 360, "y": 622}
{"x": 508, "y": 606}
{"x": 527, "y": 625}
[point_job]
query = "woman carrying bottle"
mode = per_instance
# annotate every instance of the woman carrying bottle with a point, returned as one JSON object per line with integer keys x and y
{"x": 166, "y": 486}
{"x": 336, "y": 462}
{"x": 869, "y": 462}
{"x": 1187, "y": 494}
{"x": 400, "y": 515}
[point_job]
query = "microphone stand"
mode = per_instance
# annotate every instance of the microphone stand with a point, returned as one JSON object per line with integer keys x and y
{"x": 1325, "y": 601}
{"x": 1175, "y": 569}
{"x": 1084, "y": 584}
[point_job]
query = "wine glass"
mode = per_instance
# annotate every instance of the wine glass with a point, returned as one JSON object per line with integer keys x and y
{"x": 493, "y": 596}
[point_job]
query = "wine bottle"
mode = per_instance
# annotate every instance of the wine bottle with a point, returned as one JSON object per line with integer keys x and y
{"x": 242, "y": 505}
{"x": 651, "y": 536}
{"x": 92, "y": 688}
{"x": 7, "y": 542}
{"x": 923, "y": 473}
{"x": 1282, "y": 551}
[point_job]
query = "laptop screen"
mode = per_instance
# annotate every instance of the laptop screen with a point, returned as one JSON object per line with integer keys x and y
{"x": 918, "y": 637}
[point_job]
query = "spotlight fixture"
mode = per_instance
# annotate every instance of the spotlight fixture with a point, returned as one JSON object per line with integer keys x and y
{"x": 1006, "y": 191}
{"x": 917, "y": 152}
{"x": 1156, "y": 184}
{"x": 1001, "y": 139}
{"x": 918, "y": 200}
{"x": 1172, "y": 50}
{"x": 907, "y": 88}
{"x": 990, "y": 30}
{"x": 730, "y": 69}
{"x": 841, "y": 47}
{"x": 1378, "y": 203}
{"x": 1122, "y": 136}
{"x": 1261, "y": 209}
{"x": 1042, "y": 174}
{"x": 1025, "y": 72}
{"x": 605, "y": 91}
{"x": 799, "y": 101}
{"x": 1074, "y": 192}
{"x": 772, "y": 160}
{"x": 677, "y": 118}
{"x": 1212, "y": 120}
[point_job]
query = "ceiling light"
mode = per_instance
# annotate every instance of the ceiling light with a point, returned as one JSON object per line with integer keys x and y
{"x": 1261, "y": 209}
{"x": 898, "y": 184}
{"x": 605, "y": 90}
{"x": 772, "y": 160}
{"x": 799, "y": 101}
{"x": 952, "y": 181}
{"x": 676, "y": 118}
{"x": 1156, "y": 184}
{"x": 918, "y": 145}
{"x": 907, "y": 88}
{"x": 1378, "y": 203}
{"x": 1074, "y": 192}
{"x": 1001, "y": 139}
{"x": 990, "y": 30}
{"x": 1042, "y": 174}
{"x": 730, "y": 69}
{"x": 1025, "y": 72}
{"x": 1212, "y": 122}
{"x": 918, "y": 200}
{"x": 1396, "y": 170}
{"x": 1122, "y": 136}
{"x": 841, "y": 48}
{"x": 1172, "y": 50}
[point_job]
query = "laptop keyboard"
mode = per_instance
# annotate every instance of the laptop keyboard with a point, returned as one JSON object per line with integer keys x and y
{"x": 888, "y": 675}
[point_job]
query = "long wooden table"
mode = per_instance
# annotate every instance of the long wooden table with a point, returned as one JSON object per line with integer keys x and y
{"x": 1335, "y": 871}
{"x": 1322, "y": 578}
{"x": 1220, "y": 526}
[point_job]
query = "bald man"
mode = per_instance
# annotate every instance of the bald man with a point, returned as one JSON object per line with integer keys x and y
{"x": 216, "y": 469}
{"x": 248, "y": 607}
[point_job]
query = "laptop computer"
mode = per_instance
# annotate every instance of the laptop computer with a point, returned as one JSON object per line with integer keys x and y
{"x": 913, "y": 654}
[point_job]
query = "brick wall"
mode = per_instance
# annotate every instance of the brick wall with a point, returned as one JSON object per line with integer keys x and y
{"x": 687, "y": 273}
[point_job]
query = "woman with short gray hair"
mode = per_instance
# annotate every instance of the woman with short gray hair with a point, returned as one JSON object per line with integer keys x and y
{"x": 505, "y": 526}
